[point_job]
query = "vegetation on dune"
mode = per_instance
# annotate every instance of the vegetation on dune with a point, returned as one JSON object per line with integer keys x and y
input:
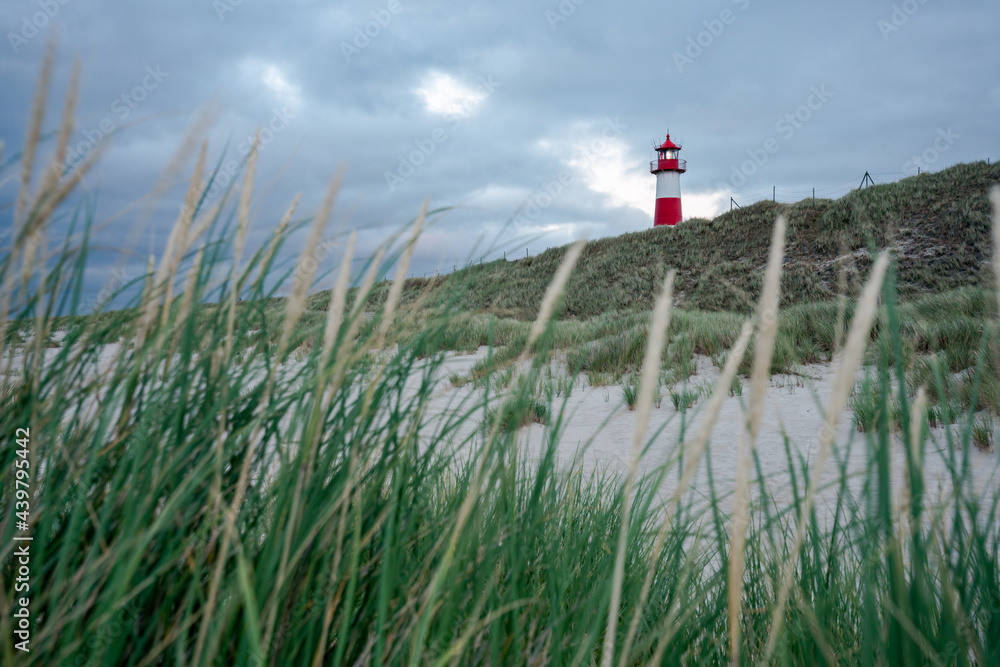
{"x": 241, "y": 484}
{"x": 936, "y": 225}
{"x": 941, "y": 339}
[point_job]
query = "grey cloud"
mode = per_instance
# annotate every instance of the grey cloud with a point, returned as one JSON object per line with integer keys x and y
{"x": 891, "y": 95}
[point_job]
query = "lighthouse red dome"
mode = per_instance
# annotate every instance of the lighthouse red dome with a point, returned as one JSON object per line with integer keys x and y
{"x": 668, "y": 144}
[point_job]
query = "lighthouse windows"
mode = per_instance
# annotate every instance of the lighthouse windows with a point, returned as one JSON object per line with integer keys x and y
{"x": 670, "y": 154}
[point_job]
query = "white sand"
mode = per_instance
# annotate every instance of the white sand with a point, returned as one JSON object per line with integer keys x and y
{"x": 597, "y": 431}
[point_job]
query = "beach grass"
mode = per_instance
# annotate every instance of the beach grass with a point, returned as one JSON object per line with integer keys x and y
{"x": 262, "y": 482}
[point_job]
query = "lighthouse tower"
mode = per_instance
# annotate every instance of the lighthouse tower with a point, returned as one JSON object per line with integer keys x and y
{"x": 668, "y": 169}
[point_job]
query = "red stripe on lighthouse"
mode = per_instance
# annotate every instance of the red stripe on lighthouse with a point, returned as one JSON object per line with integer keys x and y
{"x": 668, "y": 168}
{"x": 668, "y": 211}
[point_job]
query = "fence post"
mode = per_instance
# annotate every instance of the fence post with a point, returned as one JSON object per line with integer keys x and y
{"x": 774, "y": 190}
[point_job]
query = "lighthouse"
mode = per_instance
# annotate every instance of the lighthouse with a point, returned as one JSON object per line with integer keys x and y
{"x": 668, "y": 169}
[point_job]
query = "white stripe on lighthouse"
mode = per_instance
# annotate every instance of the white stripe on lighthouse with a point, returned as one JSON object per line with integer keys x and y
{"x": 668, "y": 185}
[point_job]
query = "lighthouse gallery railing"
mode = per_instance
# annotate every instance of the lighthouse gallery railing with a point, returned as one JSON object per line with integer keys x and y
{"x": 680, "y": 165}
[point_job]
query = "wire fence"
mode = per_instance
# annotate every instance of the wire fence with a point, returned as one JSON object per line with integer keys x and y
{"x": 785, "y": 196}
{"x": 741, "y": 200}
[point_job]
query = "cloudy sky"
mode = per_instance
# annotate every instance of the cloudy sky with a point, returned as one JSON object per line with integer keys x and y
{"x": 534, "y": 119}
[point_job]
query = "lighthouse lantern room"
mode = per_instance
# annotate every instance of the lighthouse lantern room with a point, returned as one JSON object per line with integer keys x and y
{"x": 668, "y": 169}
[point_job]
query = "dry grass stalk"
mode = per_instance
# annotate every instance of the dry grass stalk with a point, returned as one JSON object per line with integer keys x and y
{"x": 313, "y": 429}
{"x": 34, "y": 132}
{"x": 355, "y": 320}
{"x": 183, "y": 226}
{"x": 554, "y": 291}
{"x": 648, "y": 382}
{"x": 5, "y": 294}
{"x": 243, "y": 213}
{"x": 694, "y": 450}
{"x": 147, "y": 295}
{"x": 917, "y": 415}
{"x": 838, "y": 334}
{"x": 204, "y": 221}
{"x": 854, "y": 349}
{"x": 189, "y": 287}
{"x": 767, "y": 332}
{"x": 55, "y": 171}
{"x": 296, "y": 305}
{"x": 338, "y": 300}
{"x": 396, "y": 291}
{"x": 816, "y": 630}
{"x": 552, "y": 294}
{"x": 673, "y": 621}
{"x": 4, "y": 300}
{"x": 27, "y": 165}
{"x": 767, "y": 328}
{"x": 33, "y": 231}
{"x": 307, "y": 266}
{"x": 361, "y": 296}
{"x": 279, "y": 234}
{"x": 177, "y": 244}
{"x": 41, "y": 321}
{"x": 246, "y": 194}
{"x": 650, "y": 374}
{"x": 242, "y": 228}
{"x": 174, "y": 168}
{"x": 32, "y": 243}
{"x": 151, "y": 297}
{"x": 49, "y": 204}
{"x": 186, "y": 301}
{"x": 995, "y": 199}
{"x": 349, "y": 491}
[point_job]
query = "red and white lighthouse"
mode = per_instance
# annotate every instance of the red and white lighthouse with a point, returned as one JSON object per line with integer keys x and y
{"x": 668, "y": 169}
